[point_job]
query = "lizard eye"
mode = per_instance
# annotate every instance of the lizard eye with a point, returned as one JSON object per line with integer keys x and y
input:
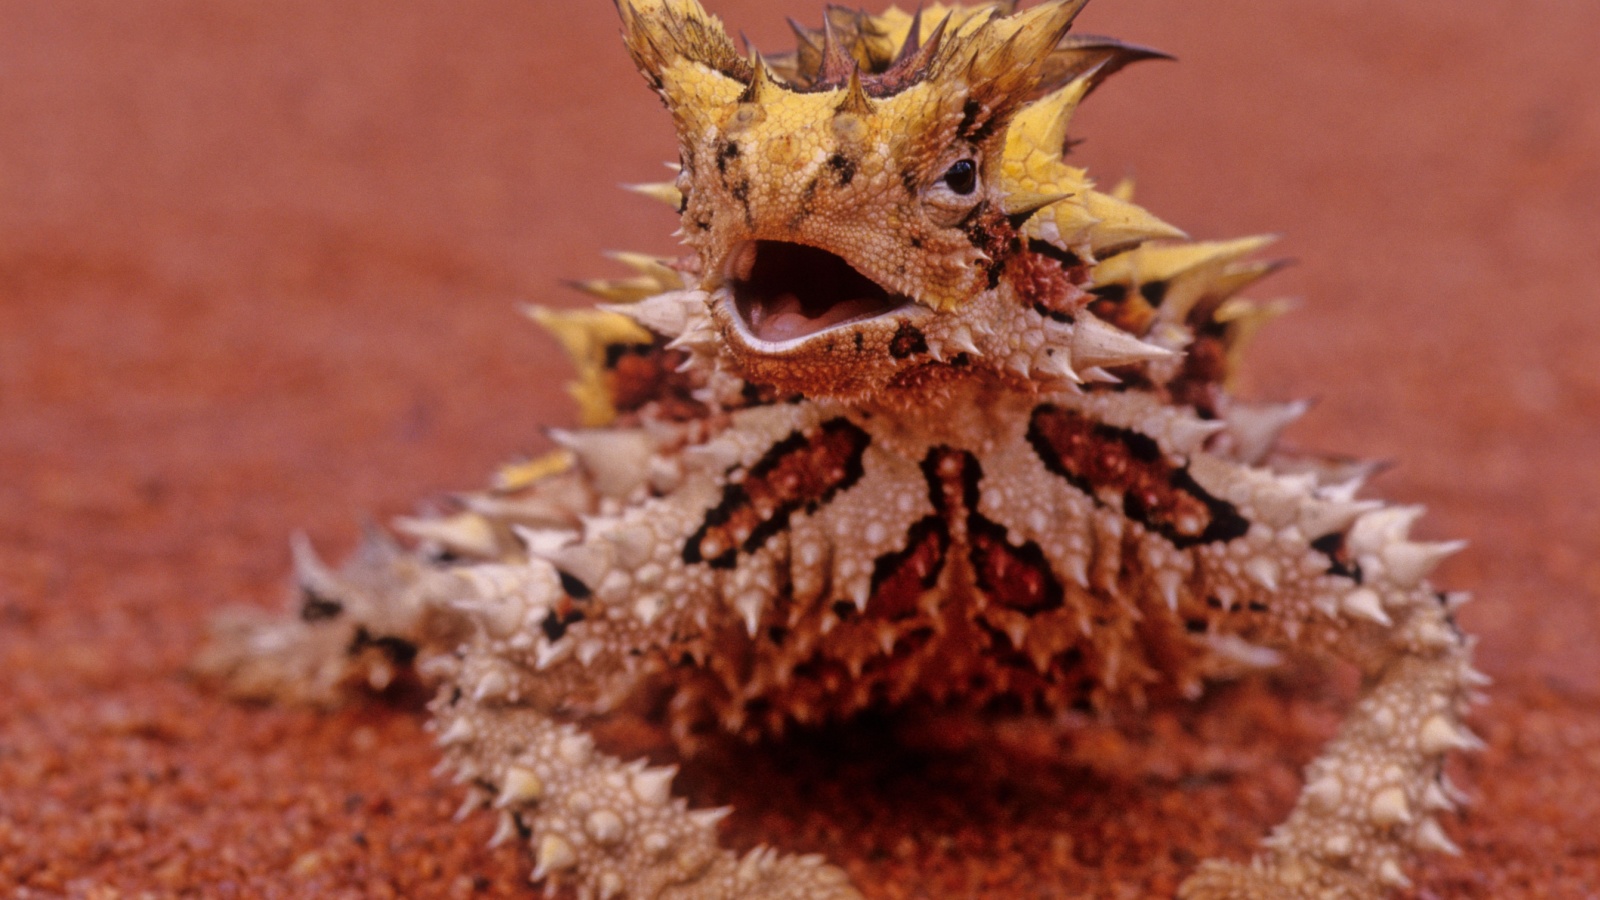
{"x": 962, "y": 177}
{"x": 951, "y": 197}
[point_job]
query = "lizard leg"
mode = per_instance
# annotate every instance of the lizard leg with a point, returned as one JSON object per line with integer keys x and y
{"x": 605, "y": 827}
{"x": 357, "y": 629}
{"x": 1370, "y": 799}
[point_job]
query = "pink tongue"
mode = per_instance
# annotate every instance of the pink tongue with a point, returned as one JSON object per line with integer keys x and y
{"x": 784, "y": 326}
{"x": 782, "y": 319}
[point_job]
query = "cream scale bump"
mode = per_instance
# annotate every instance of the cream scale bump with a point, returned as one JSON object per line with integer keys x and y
{"x": 920, "y": 417}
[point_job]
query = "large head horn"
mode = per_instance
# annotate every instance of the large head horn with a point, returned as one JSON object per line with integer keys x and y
{"x": 676, "y": 43}
{"x": 1003, "y": 60}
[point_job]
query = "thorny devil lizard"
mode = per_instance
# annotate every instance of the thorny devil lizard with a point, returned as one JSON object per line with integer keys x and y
{"x": 922, "y": 418}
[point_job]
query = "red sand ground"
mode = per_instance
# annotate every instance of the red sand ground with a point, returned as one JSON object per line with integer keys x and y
{"x": 259, "y": 270}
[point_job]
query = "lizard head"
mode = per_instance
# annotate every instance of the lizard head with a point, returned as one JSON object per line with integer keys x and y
{"x": 856, "y": 205}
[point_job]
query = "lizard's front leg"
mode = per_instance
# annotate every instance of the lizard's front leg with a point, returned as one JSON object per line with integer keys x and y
{"x": 610, "y": 829}
{"x": 356, "y": 629}
{"x": 1372, "y": 798}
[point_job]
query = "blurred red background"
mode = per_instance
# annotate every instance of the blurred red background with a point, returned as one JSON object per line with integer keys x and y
{"x": 260, "y": 265}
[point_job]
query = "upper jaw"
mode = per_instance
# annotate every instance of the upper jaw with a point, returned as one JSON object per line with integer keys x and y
{"x": 781, "y": 295}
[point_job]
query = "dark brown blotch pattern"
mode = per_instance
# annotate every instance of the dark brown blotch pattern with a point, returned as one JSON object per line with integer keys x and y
{"x": 803, "y": 471}
{"x": 1158, "y": 494}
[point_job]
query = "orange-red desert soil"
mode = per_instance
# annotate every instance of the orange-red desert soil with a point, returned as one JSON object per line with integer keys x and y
{"x": 260, "y": 267}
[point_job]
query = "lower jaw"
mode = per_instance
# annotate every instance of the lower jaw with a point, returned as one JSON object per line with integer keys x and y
{"x": 793, "y": 331}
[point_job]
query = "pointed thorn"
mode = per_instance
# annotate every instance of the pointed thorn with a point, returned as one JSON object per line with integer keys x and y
{"x": 520, "y": 787}
{"x": 1456, "y": 795}
{"x": 1096, "y": 343}
{"x": 664, "y": 192}
{"x": 1392, "y": 875}
{"x": 1021, "y": 205}
{"x": 1325, "y": 793}
{"x": 654, "y": 786}
{"x": 309, "y": 568}
{"x": 709, "y": 818}
{"x": 1431, "y": 837}
{"x": 1435, "y": 799}
{"x": 554, "y": 855}
{"x": 1363, "y": 603}
{"x": 1263, "y": 571}
{"x": 855, "y": 102}
{"x": 837, "y": 63}
{"x": 469, "y": 805}
{"x": 1409, "y": 562}
{"x": 750, "y": 607}
{"x": 1390, "y": 807}
{"x": 1440, "y": 735}
{"x": 960, "y": 339}
{"x": 458, "y": 732}
{"x": 1168, "y": 582}
{"x": 764, "y": 85}
{"x": 504, "y": 830}
{"x": 913, "y": 42}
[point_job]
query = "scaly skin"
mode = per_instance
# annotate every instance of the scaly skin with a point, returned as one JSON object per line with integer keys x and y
{"x": 923, "y": 417}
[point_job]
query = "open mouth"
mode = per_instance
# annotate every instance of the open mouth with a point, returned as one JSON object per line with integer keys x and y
{"x": 784, "y": 292}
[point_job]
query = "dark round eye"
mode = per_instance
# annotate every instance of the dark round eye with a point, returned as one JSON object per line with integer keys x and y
{"x": 962, "y": 176}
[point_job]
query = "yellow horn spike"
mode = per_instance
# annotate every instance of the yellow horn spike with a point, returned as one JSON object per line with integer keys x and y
{"x": 1043, "y": 124}
{"x": 855, "y": 101}
{"x": 659, "y": 269}
{"x": 1235, "y": 278}
{"x": 617, "y": 290}
{"x": 1148, "y": 264}
{"x": 662, "y": 191}
{"x": 585, "y": 334}
{"x": 1019, "y": 205}
{"x": 764, "y": 86}
{"x": 1123, "y": 224}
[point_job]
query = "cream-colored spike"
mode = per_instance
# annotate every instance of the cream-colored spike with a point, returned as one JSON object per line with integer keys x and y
{"x": 616, "y": 458}
{"x": 668, "y": 314}
{"x": 1364, "y": 603}
{"x": 1374, "y": 532}
{"x": 1408, "y": 562}
{"x": 1321, "y": 518}
{"x": 656, "y": 267}
{"x": 1254, "y": 428}
{"x": 1431, "y": 838}
{"x": 310, "y": 571}
{"x": 661, "y": 191}
{"x": 1095, "y": 343}
{"x": 464, "y": 533}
